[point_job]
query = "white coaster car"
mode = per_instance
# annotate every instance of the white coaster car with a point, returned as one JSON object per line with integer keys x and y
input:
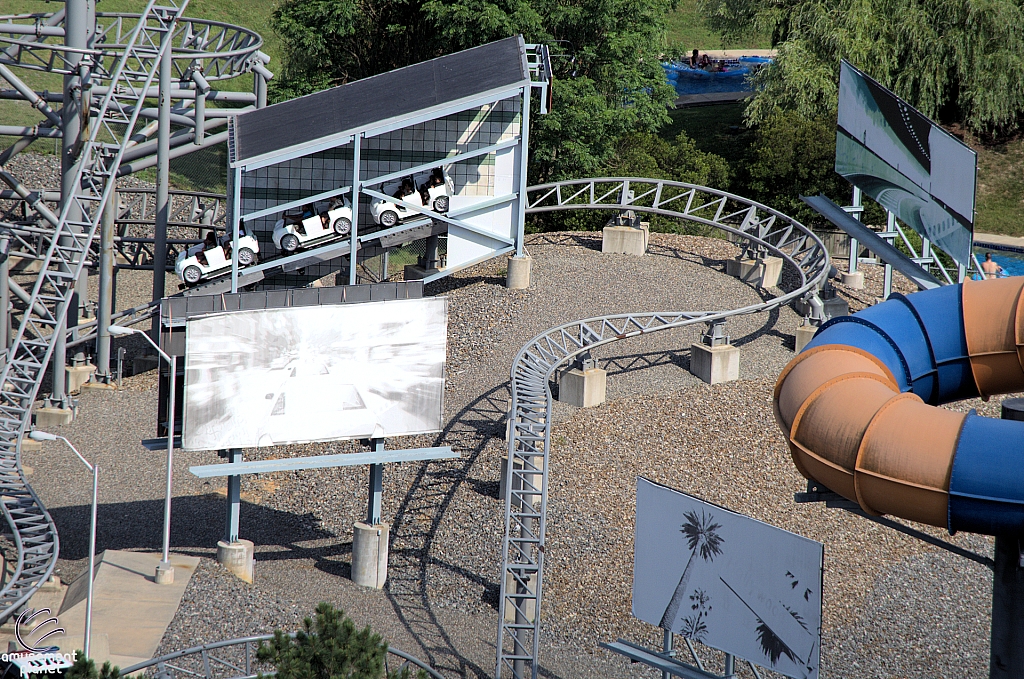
{"x": 202, "y": 261}
{"x": 437, "y": 186}
{"x": 292, "y": 232}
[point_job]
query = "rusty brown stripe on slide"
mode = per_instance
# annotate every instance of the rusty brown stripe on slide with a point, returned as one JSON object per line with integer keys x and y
{"x": 851, "y": 430}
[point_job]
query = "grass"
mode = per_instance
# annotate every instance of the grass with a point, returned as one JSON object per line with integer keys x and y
{"x": 253, "y": 14}
{"x": 1000, "y": 197}
{"x": 687, "y": 30}
{"x": 715, "y": 129}
{"x": 718, "y": 129}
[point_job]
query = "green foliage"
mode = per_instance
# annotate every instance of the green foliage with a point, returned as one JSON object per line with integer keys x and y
{"x": 85, "y": 668}
{"x": 608, "y": 77}
{"x": 647, "y": 155}
{"x": 793, "y": 156}
{"x": 330, "y": 42}
{"x": 329, "y": 647}
{"x": 956, "y": 60}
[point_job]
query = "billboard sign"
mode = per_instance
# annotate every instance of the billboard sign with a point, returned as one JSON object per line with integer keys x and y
{"x": 318, "y": 373}
{"x": 907, "y": 163}
{"x": 727, "y": 580}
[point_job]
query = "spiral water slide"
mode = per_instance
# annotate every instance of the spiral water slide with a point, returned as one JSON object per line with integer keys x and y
{"x": 859, "y": 407}
{"x": 526, "y": 495}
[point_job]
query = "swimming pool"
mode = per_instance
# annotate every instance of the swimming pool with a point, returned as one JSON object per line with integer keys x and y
{"x": 1012, "y": 262}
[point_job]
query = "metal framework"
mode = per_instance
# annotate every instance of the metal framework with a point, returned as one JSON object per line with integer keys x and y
{"x": 66, "y": 246}
{"x": 526, "y": 495}
{"x": 236, "y": 659}
{"x": 216, "y": 49}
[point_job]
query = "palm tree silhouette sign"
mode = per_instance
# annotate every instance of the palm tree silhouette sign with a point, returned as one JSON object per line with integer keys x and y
{"x": 702, "y": 538}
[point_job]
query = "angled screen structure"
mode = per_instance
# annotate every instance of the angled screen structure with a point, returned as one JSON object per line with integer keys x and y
{"x": 907, "y": 163}
{"x": 274, "y": 376}
{"x": 727, "y": 580}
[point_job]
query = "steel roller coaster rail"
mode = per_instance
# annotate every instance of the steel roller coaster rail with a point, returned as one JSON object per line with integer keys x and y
{"x": 130, "y": 72}
{"x": 526, "y": 495}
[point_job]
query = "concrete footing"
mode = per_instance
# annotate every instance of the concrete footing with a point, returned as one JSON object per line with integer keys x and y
{"x": 771, "y": 272}
{"x": 527, "y": 606}
{"x": 53, "y": 417}
{"x": 519, "y": 272}
{"x": 28, "y": 444}
{"x": 238, "y": 557}
{"x": 99, "y": 386}
{"x": 417, "y": 273}
{"x": 503, "y": 473}
{"x": 834, "y": 307}
{"x": 370, "y": 554}
{"x": 582, "y": 388}
{"x": 763, "y": 272}
{"x": 853, "y": 280}
{"x": 164, "y": 574}
{"x": 804, "y": 335}
{"x": 625, "y": 240}
{"x": 143, "y": 364}
{"x": 715, "y": 365}
{"x": 77, "y": 376}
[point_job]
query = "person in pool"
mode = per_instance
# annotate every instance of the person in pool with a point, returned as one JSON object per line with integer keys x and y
{"x": 991, "y": 269}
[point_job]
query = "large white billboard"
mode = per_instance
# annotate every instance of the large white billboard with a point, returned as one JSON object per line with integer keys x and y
{"x": 317, "y": 373}
{"x": 727, "y": 580}
{"x": 907, "y": 163}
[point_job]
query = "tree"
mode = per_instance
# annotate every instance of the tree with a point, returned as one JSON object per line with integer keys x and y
{"x": 959, "y": 61}
{"x": 85, "y": 668}
{"x": 793, "y": 156}
{"x": 329, "y": 647}
{"x": 608, "y": 77}
{"x": 702, "y": 538}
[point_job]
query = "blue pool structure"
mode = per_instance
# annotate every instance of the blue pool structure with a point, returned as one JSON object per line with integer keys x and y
{"x": 1012, "y": 261}
{"x": 734, "y": 77}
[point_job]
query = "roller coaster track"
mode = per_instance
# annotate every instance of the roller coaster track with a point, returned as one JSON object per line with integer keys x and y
{"x": 130, "y": 71}
{"x": 526, "y": 495}
{"x": 236, "y": 659}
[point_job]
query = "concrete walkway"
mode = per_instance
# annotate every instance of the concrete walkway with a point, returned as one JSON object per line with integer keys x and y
{"x": 130, "y": 611}
{"x": 998, "y": 242}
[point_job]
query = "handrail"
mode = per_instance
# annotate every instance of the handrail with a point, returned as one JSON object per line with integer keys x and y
{"x": 162, "y": 663}
{"x": 526, "y": 492}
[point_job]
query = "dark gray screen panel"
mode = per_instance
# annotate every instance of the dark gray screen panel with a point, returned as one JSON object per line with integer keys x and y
{"x": 395, "y": 93}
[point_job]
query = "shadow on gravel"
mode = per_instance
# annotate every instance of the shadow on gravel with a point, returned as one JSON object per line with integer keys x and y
{"x": 417, "y": 521}
{"x": 197, "y": 523}
{"x": 450, "y": 284}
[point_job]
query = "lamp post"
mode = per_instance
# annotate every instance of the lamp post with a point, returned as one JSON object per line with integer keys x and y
{"x": 37, "y": 435}
{"x": 164, "y": 571}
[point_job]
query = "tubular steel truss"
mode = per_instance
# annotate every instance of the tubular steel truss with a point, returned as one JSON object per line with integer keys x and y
{"x": 526, "y": 494}
{"x": 217, "y": 49}
{"x": 236, "y": 659}
{"x": 66, "y": 247}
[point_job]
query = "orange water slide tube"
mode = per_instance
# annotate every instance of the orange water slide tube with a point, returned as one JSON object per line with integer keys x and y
{"x": 859, "y": 406}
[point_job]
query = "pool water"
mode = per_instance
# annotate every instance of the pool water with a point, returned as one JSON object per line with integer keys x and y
{"x": 1012, "y": 262}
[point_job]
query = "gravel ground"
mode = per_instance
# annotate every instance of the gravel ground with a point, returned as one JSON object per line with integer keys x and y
{"x": 894, "y": 607}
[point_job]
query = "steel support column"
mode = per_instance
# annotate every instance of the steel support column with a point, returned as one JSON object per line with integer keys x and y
{"x": 163, "y": 168}
{"x": 233, "y": 220}
{"x": 234, "y": 456}
{"x": 521, "y": 157}
{"x": 106, "y": 296}
{"x": 1006, "y": 654}
{"x": 353, "y": 254}
{"x": 376, "y": 487}
{"x": 5, "y": 292}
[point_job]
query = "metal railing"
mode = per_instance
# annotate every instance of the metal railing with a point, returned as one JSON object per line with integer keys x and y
{"x": 236, "y": 659}
{"x": 526, "y": 494}
{"x": 32, "y": 528}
